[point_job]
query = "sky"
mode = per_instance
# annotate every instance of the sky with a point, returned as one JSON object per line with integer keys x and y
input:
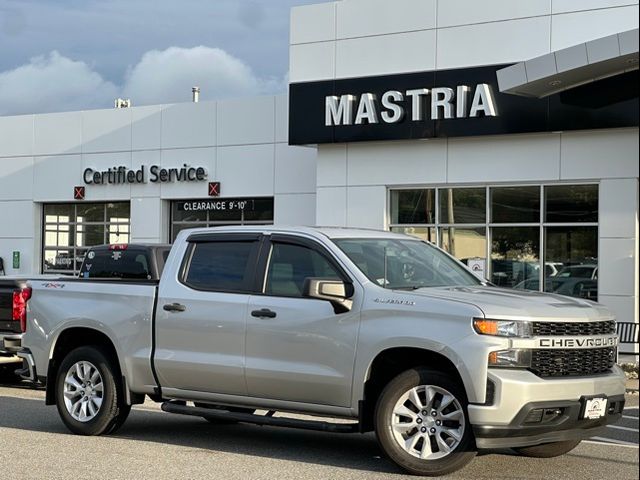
{"x": 63, "y": 55}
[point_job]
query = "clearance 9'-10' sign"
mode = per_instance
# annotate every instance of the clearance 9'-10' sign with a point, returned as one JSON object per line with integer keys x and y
{"x": 440, "y": 104}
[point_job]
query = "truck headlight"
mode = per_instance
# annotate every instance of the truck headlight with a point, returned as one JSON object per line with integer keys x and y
{"x": 515, "y": 358}
{"x": 502, "y": 328}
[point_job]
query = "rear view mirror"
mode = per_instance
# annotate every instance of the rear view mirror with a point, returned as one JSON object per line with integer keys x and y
{"x": 337, "y": 292}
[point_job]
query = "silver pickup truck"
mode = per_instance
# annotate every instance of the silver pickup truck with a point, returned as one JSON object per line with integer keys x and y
{"x": 376, "y": 327}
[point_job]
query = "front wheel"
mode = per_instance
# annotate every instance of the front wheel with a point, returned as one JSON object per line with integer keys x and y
{"x": 421, "y": 423}
{"x": 548, "y": 450}
{"x": 89, "y": 399}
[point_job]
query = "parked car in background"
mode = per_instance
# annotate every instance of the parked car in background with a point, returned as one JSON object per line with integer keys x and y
{"x": 133, "y": 261}
{"x": 579, "y": 271}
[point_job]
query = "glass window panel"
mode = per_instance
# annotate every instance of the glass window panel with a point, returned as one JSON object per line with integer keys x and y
{"x": 90, "y": 212}
{"x": 413, "y": 206}
{"x": 59, "y": 260}
{"x": 428, "y": 234}
{"x": 571, "y": 261}
{"x": 291, "y": 265}
{"x": 220, "y": 266}
{"x": 515, "y": 205}
{"x": 180, "y": 215}
{"x": 515, "y": 257}
{"x": 56, "y": 213}
{"x": 89, "y": 235}
{"x": 260, "y": 210}
{"x": 118, "y": 212}
{"x": 463, "y": 205}
{"x": 464, "y": 243}
{"x": 571, "y": 203}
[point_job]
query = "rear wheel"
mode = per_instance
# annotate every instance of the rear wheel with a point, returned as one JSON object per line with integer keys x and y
{"x": 216, "y": 421}
{"x": 422, "y": 425}
{"x": 89, "y": 399}
{"x": 548, "y": 450}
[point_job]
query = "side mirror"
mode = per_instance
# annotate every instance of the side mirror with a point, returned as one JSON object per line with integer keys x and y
{"x": 335, "y": 291}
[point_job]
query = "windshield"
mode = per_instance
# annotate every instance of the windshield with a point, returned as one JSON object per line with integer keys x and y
{"x": 409, "y": 264}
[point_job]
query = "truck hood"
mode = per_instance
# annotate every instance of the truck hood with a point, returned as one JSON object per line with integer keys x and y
{"x": 502, "y": 303}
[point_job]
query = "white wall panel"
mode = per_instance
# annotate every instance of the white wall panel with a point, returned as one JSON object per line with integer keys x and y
{"x": 189, "y": 125}
{"x": 515, "y": 158}
{"x": 493, "y": 43}
{"x": 580, "y": 27}
{"x": 392, "y": 163}
{"x": 146, "y": 127}
{"x": 57, "y": 133}
{"x": 360, "y": 18}
{"x": 146, "y": 218}
{"x": 49, "y": 185}
{"x": 101, "y": 162}
{"x": 29, "y": 254}
{"x": 312, "y": 61}
{"x": 332, "y": 165}
{"x": 246, "y": 121}
{"x": 313, "y": 23}
{"x": 16, "y": 178}
{"x": 331, "y": 206}
{"x": 282, "y": 118}
{"x": 366, "y": 207}
{"x": 464, "y": 12}
{"x": 145, "y": 158}
{"x": 617, "y": 266}
{"x": 600, "y": 154}
{"x": 295, "y": 169}
{"x": 563, "y": 6}
{"x": 246, "y": 171}
{"x": 16, "y": 136}
{"x": 386, "y": 54}
{"x": 16, "y": 220}
{"x": 618, "y": 210}
{"x": 193, "y": 157}
{"x": 295, "y": 209}
{"x": 106, "y": 130}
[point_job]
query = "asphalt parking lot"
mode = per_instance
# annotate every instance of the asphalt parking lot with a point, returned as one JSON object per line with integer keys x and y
{"x": 35, "y": 445}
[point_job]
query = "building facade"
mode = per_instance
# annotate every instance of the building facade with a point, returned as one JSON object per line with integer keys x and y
{"x": 505, "y": 132}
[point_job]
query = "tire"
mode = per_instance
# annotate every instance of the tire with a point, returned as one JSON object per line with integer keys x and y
{"x": 452, "y": 437}
{"x": 216, "y": 421}
{"x": 101, "y": 408}
{"x": 548, "y": 450}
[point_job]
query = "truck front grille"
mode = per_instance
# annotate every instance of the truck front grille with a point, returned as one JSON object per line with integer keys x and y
{"x": 552, "y": 329}
{"x": 572, "y": 363}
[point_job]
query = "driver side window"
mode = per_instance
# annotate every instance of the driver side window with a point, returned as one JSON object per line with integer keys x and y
{"x": 290, "y": 265}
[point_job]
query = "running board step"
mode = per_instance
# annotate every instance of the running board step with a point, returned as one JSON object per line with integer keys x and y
{"x": 180, "y": 408}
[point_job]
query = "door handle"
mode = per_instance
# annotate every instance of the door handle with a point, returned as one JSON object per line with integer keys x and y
{"x": 263, "y": 313}
{"x": 174, "y": 307}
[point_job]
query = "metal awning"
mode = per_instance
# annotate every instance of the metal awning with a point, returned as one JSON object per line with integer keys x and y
{"x": 571, "y": 67}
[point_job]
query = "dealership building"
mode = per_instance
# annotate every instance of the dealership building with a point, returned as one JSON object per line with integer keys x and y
{"x": 505, "y": 132}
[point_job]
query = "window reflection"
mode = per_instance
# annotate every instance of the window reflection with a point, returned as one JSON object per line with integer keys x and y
{"x": 70, "y": 228}
{"x": 515, "y": 257}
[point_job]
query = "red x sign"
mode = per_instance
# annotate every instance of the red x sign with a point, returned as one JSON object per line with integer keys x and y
{"x": 78, "y": 193}
{"x": 214, "y": 189}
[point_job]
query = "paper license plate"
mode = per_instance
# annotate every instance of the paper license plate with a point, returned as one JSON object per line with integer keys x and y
{"x": 595, "y": 408}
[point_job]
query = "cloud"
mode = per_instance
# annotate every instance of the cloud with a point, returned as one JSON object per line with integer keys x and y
{"x": 53, "y": 83}
{"x": 168, "y": 75}
{"x": 57, "y": 83}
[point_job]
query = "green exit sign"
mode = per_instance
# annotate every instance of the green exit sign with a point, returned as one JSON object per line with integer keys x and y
{"x": 16, "y": 260}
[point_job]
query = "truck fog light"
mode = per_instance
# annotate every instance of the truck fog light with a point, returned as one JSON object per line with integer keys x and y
{"x": 515, "y": 358}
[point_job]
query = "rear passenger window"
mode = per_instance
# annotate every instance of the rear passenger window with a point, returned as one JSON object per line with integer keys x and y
{"x": 291, "y": 265}
{"x": 221, "y": 266}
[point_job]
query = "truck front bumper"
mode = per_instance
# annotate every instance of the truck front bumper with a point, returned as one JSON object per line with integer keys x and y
{"x": 520, "y": 397}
